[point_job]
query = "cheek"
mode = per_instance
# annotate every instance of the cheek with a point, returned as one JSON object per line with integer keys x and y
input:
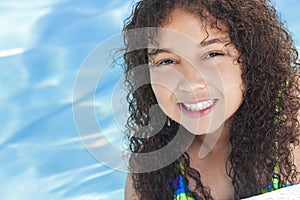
{"x": 166, "y": 100}
{"x": 158, "y": 90}
{"x": 163, "y": 83}
{"x": 233, "y": 88}
{"x": 161, "y": 93}
{"x": 231, "y": 74}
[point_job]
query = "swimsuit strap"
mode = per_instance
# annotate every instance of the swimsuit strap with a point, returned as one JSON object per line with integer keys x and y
{"x": 275, "y": 179}
{"x": 179, "y": 183}
{"x": 180, "y": 193}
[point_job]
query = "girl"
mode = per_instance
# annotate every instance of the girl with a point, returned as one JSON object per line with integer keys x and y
{"x": 225, "y": 71}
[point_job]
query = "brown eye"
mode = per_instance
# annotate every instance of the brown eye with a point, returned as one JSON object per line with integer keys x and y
{"x": 167, "y": 62}
{"x": 214, "y": 54}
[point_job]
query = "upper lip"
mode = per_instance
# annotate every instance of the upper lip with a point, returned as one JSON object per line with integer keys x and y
{"x": 196, "y": 101}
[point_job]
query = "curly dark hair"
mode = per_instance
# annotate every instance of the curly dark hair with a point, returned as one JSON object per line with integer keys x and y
{"x": 265, "y": 128}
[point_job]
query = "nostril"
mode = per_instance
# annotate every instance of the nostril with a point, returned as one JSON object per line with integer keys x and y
{"x": 191, "y": 87}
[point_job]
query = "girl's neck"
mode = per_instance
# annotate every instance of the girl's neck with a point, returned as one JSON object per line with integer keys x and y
{"x": 204, "y": 145}
{"x": 209, "y": 154}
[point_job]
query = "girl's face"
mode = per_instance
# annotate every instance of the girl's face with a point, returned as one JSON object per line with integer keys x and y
{"x": 194, "y": 74}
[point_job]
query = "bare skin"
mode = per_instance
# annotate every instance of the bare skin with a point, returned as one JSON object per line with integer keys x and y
{"x": 212, "y": 167}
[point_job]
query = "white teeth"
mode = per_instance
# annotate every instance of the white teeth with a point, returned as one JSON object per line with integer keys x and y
{"x": 199, "y": 106}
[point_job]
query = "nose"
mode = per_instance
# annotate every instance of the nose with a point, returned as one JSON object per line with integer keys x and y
{"x": 191, "y": 78}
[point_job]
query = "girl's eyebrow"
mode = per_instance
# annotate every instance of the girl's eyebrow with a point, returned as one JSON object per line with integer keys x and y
{"x": 204, "y": 43}
{"x": 213, "y": 41}
{"x": 158, "y": 51}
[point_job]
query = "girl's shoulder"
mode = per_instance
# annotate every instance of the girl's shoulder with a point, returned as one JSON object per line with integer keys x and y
{"x": 130, "y": 193}
{"x": 297, "y": 157}
{"x": 297, "y": 148}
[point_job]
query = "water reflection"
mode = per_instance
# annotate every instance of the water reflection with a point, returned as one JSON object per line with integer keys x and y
{"x": 42, "y": 46}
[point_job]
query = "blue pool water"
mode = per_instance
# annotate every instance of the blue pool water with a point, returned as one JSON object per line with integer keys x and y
{"x": 42, "y": 46}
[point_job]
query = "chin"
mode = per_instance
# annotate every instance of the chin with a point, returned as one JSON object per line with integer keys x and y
{"x": 206, "y": 125}
{"x": 204, "y": 130}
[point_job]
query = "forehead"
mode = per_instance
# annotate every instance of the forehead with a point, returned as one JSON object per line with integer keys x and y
{"x": 184, "y": 31}
{"x": 193, "y": 26}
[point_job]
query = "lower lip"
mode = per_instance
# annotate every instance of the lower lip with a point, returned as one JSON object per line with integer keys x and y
{"x": 196, "y": 114}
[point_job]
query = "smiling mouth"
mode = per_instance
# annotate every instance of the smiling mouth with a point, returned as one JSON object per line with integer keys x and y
{"x": 198, "y": 106}
{"x": 198, "y": 109}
